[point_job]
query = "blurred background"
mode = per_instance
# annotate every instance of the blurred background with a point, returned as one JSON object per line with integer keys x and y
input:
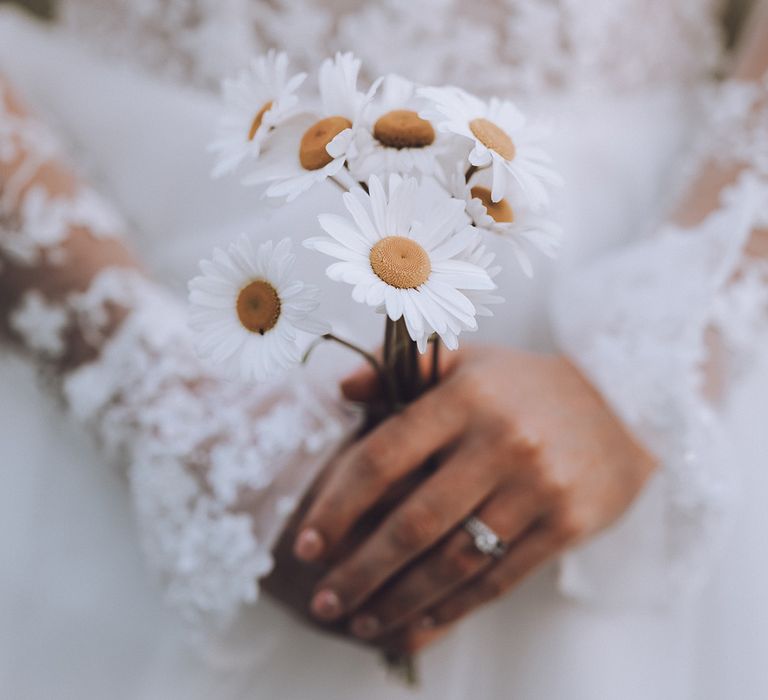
{"x": 734, "y": 14}
{"x": 40, "y": 7}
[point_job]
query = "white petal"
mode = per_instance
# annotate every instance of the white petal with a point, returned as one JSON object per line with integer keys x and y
{"x": 340, "y": 229}
{"x": 461, "y": 275}
{"x": 360, "y": 215}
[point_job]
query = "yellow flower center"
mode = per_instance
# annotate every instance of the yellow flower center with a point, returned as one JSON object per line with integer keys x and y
{"x": 499, "y": 211}
{"x": 312, "y": 153}
{"x": 400, "y": 262}
{"x": 403, "y": 128}
{"x": 493, "y": 137}
{"x": 256, "y": 123}
{"x": 258, "y": 306}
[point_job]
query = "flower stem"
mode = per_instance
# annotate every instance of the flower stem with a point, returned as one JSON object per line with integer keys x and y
{"x": 390, "y": 355}
{"x": 435, "y": 376}
{"x": 385, "y": 376}
{"x": 369, "y": 358}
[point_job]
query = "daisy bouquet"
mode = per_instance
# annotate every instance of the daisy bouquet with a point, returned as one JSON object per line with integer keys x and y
{"x": 426, "y": 174}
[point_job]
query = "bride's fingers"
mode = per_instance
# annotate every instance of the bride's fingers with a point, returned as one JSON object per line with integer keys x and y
{"x": 370, "y": 467}
{"x": 448, "y": 497}
{"x": 444, "y": 569}
{"x": 533, "y": 550}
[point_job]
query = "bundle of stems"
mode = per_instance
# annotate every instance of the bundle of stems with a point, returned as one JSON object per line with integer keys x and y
{"x": 402, "y": 380}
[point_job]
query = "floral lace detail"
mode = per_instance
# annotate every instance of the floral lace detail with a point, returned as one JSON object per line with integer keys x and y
{"x": 519, "y": 46}
{"x": 501, "y": 47}
{"x": 737, "y": 126}
{"x": 44, "y": 223}
{"x": 644, "y": 347}
{"x": 40, "y": 324}
{"x": 215, "y": 467}
{"x": 33, "y": 223}
{"x": 739, "y": 314}
{"x": 188, "y": 40}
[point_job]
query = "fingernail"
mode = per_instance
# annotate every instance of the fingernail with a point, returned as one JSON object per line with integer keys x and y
{"x": 309, "y": 545}
{"x": 365, "y": 626}
{"x": 326, "y": 605}
{"x": 427, "y": 622}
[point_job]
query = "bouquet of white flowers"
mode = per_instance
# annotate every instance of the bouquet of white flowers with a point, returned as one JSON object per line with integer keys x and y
{"x": 424, "y": 173}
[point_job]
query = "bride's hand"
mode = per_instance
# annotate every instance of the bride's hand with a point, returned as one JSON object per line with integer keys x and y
{"x": 525, "y": 443}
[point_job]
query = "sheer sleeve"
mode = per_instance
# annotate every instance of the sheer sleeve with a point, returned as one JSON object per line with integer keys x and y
{"x": 215, "y": 468}
{"x": 664, "y": 328}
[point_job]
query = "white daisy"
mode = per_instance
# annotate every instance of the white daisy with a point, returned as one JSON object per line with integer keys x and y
{"x": 509, "y": 219}
{"x": 395, "y": 138}
{"x": 500, "y": 138}
{"x": 314, "y": 147}
{"x": 257, "y": 100}
{"x": 403, "y": 251}
{"x": 248, "y": 311}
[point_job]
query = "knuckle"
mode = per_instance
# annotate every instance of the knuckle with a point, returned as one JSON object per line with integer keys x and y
{"x": 554, "y": 491}
{"x": 569, "y": 527}
{"x": 505, "y": 430}
{"x": 371, "y": 461}
{"x": 553, "y": 485}
{"x": 415, "y": 528}
{"x": 527, "y": 448}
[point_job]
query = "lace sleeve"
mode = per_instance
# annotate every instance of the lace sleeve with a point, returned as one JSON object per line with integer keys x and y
{"x": 642, "y": 324}
{"x": 215, "y": 468}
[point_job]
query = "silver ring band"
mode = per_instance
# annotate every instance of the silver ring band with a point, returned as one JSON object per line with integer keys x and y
{"x": 486, "y": 541}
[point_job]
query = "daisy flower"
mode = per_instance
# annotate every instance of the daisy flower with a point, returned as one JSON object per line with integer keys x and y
{"x": 508, "y": 219}
{"x": 402, "y": 251}
{"x": 500, "y": 140}
{"x": 315, "y": 147}
{"x": 257, "y": 100}
{"x": 396, "y": 139}
{"x": 248, "y": 312}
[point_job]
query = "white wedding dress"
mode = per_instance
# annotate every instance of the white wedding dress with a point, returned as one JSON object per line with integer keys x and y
{"x": 655, "y": 608}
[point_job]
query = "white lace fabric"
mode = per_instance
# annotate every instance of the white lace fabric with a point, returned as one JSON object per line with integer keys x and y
{"x": 637, "y": 323}
{"x": 215, "y": 467}
{"x": 502, "y": 47}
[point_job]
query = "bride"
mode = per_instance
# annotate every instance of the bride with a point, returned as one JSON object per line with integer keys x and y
{"x": 594, "y": 527}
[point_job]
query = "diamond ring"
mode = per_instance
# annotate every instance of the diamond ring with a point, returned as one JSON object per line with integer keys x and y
{"x": 485, "y": 540}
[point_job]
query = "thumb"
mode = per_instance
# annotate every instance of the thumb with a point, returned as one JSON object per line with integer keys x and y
{"x": 362, "y": 385}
